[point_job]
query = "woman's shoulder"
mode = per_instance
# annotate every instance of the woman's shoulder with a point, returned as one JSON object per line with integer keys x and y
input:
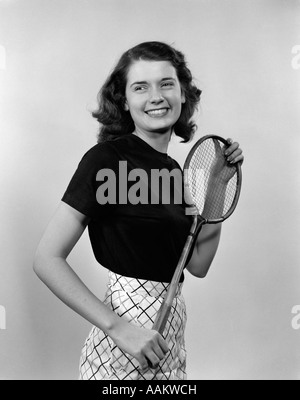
{"x": 98, "y": 156}
{"x": 103, "y": 149}
{"x": 104, "y": 154}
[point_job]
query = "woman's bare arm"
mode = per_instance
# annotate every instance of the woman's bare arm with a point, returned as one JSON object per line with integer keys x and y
{"x": 51, "y": 266}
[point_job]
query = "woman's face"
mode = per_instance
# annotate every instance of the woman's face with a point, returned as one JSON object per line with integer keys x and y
{"x": 153, "y": 96}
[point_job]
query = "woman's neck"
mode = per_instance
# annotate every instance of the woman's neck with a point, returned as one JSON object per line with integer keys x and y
{"x": 159, "y": 141}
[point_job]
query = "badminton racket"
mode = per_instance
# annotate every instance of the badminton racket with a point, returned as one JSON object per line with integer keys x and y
{"x": 211, "y": 188}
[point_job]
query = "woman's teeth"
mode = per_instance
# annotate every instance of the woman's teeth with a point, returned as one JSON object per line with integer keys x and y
{"x": 160, "y": 112}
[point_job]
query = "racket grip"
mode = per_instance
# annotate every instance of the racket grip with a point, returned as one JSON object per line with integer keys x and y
{"x": 162, "y": 317}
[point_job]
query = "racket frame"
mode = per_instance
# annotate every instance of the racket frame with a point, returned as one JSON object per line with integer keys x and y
{"x": 238, "y": 184}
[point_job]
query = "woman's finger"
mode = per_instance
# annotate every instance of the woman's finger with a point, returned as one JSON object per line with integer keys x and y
{"x": 238, "y": 159}
{"x": 232, "y": 156}
{"x": 144, "y": 364}
{"x": 152, "y": 361}
{"x": 159, "y": 352}
{"x": 231, "y": 148}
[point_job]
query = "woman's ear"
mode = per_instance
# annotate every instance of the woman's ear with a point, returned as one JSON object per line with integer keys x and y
{"x": 126, "y": 108}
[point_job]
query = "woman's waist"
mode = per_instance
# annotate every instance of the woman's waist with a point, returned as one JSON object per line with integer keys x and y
{"x": 138, "y": 286}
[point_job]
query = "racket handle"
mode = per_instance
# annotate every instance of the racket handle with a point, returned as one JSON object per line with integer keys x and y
{"x": 162, "y": 317}
{"x": 165, "y": 308}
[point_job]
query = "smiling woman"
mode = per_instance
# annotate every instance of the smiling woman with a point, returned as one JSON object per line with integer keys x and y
{"x": 148, "y": 97}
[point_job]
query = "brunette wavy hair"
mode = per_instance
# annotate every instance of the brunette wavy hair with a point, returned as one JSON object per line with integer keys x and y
{"x": 111, "y": 114}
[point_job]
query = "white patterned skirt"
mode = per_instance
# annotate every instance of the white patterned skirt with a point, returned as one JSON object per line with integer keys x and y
{"x": 137, "y": 301}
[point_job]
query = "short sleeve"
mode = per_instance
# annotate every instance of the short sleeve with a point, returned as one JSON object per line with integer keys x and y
{"x": 81, "y": 191}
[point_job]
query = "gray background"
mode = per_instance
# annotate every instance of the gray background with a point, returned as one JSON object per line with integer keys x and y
{"x": 55, "y": 55}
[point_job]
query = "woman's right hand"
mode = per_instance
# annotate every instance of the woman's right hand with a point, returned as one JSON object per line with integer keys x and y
{"x": 147, "y": 346}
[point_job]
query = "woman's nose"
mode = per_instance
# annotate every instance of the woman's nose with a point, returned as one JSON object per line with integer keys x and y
{"x": 156, "y": 97}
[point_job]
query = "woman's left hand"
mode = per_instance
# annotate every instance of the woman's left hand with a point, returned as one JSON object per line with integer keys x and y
{"x": 223, "y": 168}
{"x": 234, "y": 153}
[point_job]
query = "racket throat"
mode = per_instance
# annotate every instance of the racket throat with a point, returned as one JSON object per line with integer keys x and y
{"x": 198, "y": 221}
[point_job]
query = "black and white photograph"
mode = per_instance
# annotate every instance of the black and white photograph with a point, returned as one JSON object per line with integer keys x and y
{"x": 150, "y": 191}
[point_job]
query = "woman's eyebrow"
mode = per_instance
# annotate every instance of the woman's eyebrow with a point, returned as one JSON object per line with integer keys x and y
{"x": 139, "y": 83}
{"x": 168, "y": 79}
{"x": 145, "y": 82}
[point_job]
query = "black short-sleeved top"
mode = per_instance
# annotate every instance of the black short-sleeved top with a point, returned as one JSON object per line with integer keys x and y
{"x": 142, "y": 240}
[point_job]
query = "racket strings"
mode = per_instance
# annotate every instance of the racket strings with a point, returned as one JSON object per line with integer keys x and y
{"x": 212, "y": 197}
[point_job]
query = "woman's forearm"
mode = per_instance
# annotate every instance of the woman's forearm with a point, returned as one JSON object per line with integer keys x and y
{"x": 205, "y": 249}
{"x": 208, "y": 239}
{"x": 60, "y": 278}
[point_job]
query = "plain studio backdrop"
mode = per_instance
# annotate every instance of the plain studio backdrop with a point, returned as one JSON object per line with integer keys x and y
{"x": 54, "y": 56}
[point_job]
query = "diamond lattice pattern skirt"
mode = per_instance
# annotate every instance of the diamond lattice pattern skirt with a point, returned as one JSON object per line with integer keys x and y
{"x": 137, "y": 301}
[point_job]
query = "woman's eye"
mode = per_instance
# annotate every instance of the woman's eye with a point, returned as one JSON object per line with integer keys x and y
{"x": 139, "y": 88}
{"x": 168, "y": 84}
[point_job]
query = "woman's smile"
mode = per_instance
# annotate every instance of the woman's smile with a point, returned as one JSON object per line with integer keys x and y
{"x": 157, "y": 113}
